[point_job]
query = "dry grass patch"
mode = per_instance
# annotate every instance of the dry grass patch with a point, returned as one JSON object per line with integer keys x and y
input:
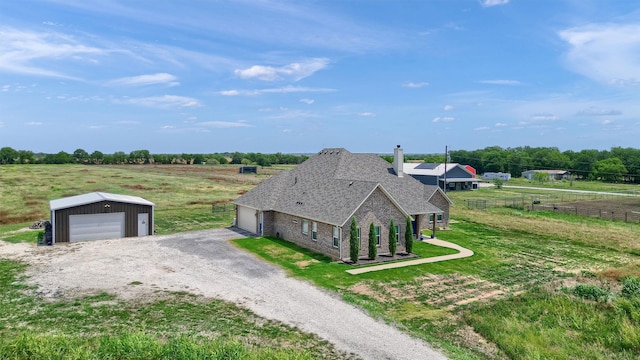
{"x": 608, "y": 235}
{"x": 305, "y": 263}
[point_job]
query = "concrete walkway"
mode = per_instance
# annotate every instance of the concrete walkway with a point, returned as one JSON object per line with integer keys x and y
{"x": 463, "y": 253}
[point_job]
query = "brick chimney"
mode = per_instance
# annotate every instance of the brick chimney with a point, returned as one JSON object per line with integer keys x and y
{"x": 398, "y": 161}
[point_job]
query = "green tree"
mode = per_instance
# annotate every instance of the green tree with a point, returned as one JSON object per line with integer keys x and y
{"x": 97, "y": 157}
{"x": 354, "y": 244}
{"x": 540, "y": 177}
{"x": 25, "y": 157}
{"x": 611, "y": 169}
{"x": 8, "y": 155}
{"x": 373, "y": 246}
{"x": 408, "y": 236}
{"x": 393, "y": 242}
{"x": 139, "y": 157}
{"x": 81, "y": 156}
{"x": 118, "y": 157}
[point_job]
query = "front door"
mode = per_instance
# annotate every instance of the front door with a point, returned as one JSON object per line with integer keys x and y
{"x": 143, "y": 224}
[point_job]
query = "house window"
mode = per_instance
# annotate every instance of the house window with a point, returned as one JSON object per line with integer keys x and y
{"x": 314, "y": 230}
{"x": 305, "y": 227}
{"x": 397, "y": 234}
{"x": 430, "y": 217}
{"x": 359, "y": 241}
{"x": 378, "y": 235}
{"x": 439, "y": 217}
{"x": 336, "y": 236}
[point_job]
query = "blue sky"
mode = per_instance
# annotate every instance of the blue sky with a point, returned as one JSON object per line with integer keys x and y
{"x": 297, "y": 76}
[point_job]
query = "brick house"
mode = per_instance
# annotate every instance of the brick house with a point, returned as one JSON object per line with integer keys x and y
{"x": 313, "y": 204}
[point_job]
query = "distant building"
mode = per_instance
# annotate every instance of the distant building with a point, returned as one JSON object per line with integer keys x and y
{"x": 248, "y": 170}
{"x": 497, "y": 175}
{"x": 553, "y": 174}
{"x": 453, "y": 176}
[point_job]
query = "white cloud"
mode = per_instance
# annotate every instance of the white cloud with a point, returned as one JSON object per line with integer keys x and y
{"x": 482, "y": 128}
{"x": 443, "y": 119}
{"x": 607, "y": 53}
{"x": 501, "y": 124}
{"x": 6, "y": 88}
{"x": 1, "y": 124}
{"x": 307, "y": 101}
{"x": 164, "y": 102}
{"x": 282, "y": 90}
{"x": 489, "y": 3}
{"x": 606, "y": 122}
{"x": 20, "y": 50}
{"x": 295, "y": 71}
{"x": 225, "y": 124}
{"x": 415, "y": 85}
{"x": 367, "y": 114}
{"x": 501, "y": 82}
{"x": 448, "y": 107}
{"x": 150, "y": 79}
{"x": 168, "y": 127}
{"x": 229, "y": 92}
{"x": 595, "y": 111}
{"x": 33, "y": 123}
{"x": 543, "y": 117}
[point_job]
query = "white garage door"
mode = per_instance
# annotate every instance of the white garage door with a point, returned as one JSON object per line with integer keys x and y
{"x": 247, "y": 219}
{"x": 96, "y": 226}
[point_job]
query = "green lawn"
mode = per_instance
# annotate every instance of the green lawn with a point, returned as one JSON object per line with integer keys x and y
{"x": 458, "y": 304}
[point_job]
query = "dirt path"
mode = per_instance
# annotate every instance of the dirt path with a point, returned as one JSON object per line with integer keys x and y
{"x": 204, "y": 263}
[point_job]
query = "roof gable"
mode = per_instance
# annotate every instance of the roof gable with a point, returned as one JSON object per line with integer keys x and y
{"x": 93, "y": 197}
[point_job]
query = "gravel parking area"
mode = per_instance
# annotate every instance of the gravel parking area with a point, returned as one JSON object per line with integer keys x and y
{"x": 205, "y": 263}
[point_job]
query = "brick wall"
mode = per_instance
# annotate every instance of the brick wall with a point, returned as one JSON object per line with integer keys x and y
{"x": 379, "y": 210}
{"x": 289, "y": 227}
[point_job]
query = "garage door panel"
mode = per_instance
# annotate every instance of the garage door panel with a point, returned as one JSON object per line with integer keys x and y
{"x": 96, "y": 226}
{"x": 247, "y": 219}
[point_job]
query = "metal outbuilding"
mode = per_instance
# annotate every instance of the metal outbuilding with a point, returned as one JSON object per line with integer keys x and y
{"x": 99, "y": 215}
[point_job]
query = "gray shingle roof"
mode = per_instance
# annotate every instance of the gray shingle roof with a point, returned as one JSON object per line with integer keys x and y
{"x": 332, "y": 184}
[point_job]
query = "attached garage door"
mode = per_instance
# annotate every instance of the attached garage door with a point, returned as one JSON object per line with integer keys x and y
{"x": 247, "y": 219}
{"x": 96, "y": 226}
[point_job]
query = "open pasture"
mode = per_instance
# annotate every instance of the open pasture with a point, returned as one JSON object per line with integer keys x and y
{"x": 183, "y": 194}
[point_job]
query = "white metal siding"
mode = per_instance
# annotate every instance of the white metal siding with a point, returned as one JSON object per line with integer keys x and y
{"x": 96, "y": 226}
{"x": 247, "y": 219}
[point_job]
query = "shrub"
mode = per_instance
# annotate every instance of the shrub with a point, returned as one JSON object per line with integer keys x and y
{"x": 408, "y": 236}
{"x": 392, "y": 238}
{"x": 373, "y": 248}
{"x": 631, "y": 287}
{"x": 591, "y": 292}
{"x": 354, "y": 244}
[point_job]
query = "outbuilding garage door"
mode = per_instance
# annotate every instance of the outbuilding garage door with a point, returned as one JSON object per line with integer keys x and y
{"x": 247, "y": 219}
{"x": 96, "y": 226}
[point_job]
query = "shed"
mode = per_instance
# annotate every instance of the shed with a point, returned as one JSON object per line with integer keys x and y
{"x": 99, "y": 216}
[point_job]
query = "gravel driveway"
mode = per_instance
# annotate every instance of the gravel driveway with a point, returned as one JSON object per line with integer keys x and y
{"x": 204, "y": 263}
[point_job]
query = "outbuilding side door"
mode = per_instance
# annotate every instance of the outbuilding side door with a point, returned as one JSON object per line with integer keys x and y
{"x": 143, "y": 224}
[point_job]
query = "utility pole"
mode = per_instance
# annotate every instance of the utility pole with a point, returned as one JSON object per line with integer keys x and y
{"x": 446, "y": 155}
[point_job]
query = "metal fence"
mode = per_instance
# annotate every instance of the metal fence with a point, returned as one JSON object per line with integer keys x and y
{"x": 571, "y": 203}
{"x": 223, "y": 209}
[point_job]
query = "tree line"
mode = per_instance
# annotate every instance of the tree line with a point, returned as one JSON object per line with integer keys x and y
{"x": 618, "y": 164}
{"x": 80, "y": 156}
{"x": 615, "y": 165}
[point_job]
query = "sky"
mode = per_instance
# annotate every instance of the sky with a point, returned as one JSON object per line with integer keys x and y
{"x": 205, "y": 76}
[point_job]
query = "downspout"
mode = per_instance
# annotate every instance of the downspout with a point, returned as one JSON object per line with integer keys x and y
{"x": 340, "y": 248}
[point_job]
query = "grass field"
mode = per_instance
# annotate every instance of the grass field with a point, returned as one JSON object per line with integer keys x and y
{"x": 540, "y": 285}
